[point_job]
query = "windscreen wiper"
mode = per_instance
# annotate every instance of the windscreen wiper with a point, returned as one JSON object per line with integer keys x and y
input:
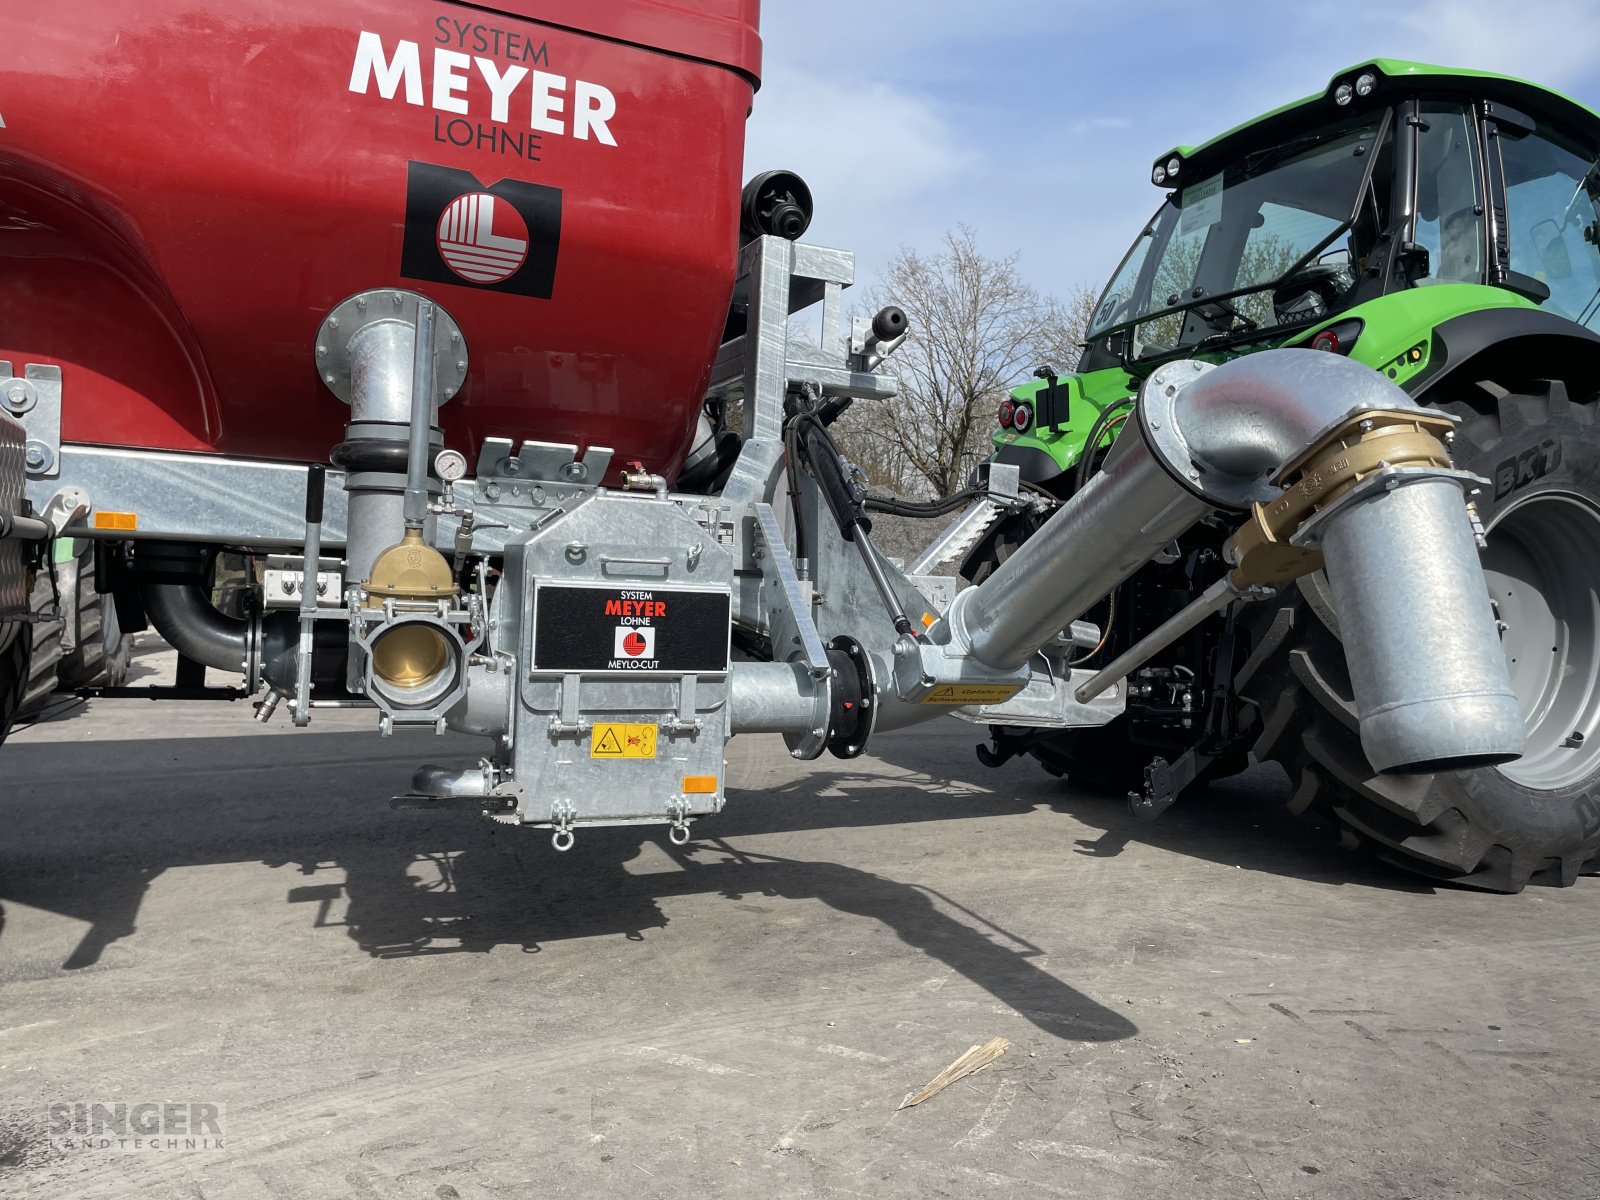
{"x": 1244, "y": 324}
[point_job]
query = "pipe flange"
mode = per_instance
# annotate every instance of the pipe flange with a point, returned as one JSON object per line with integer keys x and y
{"x": 814, "y": 740}
{"x": 355, "y": 313}
{"x": 1158, "y": 421}
{"x": 251, "y": 665}
{"x": 853, "y": 712}
{"x": 1376, "y": 485}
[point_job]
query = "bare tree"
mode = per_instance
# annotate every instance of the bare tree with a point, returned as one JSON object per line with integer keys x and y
{"x": 977, "y": 330}
{"x": 1061, "y": 344}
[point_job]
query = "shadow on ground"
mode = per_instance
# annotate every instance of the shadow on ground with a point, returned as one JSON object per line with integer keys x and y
{"x": 1239, "y": 822}
{"x": 91, "y": 825}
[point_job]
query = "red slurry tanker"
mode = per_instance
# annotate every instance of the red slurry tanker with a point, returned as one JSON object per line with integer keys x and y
{"x": 432, "y": 319}
{"x": 187, "y": 192}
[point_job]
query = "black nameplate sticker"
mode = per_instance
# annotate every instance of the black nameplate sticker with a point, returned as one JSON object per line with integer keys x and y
{"x": 634, "y": 629}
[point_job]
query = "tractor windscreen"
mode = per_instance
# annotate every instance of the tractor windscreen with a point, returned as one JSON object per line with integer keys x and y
{"x": 1277, "y": 237}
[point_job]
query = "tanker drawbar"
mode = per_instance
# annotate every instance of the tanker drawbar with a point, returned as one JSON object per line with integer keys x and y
{"x": 609, "y": 641}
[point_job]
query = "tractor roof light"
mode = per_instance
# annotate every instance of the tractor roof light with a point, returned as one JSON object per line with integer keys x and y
{"x": 1343, "y": 94}
{"x": 1007, "y": 408}
{"x": 1172, "y": 168}
{"x": 1159, "y": 175}
{"x": 1365, "y": 82}
{"x": 1022, "y": 417}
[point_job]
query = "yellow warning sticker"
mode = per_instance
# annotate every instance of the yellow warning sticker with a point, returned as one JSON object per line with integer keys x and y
{"x": 972, "y": 693}
{"x": 612, "y": 740}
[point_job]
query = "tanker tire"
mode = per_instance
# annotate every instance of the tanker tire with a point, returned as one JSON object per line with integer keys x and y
{"x": 46, "y": 656}
{"x": 102, "y": 653}
{"x": 38, "y": 671}
{"x": 16, "y": 645}
{"x": 1481, "y": 828}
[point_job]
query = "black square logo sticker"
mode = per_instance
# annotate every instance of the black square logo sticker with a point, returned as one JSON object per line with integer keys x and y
{"x": 501, "y": 238}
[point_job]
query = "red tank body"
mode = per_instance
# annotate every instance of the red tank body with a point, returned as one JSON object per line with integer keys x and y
{"x": 186, "y": 189}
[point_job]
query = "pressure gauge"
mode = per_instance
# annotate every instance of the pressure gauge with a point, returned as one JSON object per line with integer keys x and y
{"x": 450, "y": 465}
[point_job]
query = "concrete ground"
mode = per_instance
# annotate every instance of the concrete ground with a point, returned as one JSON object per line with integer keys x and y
{"x": 425, "y": 1005}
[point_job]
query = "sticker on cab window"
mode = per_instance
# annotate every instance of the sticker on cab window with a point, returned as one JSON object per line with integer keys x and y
{"x": 1201, "y": 204}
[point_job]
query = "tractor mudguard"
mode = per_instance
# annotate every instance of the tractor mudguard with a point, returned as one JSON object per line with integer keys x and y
{"x": 1032, "y": 463}
{"x": 1544, "y": 343}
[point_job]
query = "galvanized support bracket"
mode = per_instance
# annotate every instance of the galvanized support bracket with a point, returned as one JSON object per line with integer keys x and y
{"x": 511, "y": 476}
{"x": 34, "y": 398}
{"x": 788, "y": 611}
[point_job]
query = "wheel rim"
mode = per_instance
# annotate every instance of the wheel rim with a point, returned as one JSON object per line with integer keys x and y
{"x": 1543, "y": 571}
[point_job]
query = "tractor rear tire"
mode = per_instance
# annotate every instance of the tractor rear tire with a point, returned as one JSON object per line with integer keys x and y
{"x": 1536, "y": 819}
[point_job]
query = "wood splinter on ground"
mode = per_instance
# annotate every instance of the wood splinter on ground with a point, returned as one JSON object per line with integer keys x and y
{"x": 975, "y": 1059}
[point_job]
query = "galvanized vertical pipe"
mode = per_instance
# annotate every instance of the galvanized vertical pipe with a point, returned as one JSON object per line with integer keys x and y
{"x": 382, "y": 361}
{"x": 1431, "y": 685}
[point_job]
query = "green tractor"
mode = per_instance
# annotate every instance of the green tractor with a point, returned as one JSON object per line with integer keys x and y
{"x": 1442, "y": 227}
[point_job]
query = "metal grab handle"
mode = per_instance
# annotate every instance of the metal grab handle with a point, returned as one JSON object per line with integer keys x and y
{"x": 659, "y": 565}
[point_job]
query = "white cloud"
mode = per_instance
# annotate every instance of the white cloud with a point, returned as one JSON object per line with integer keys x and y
{"x": 871, "y": 153}
{"x": 1097, "y": 125}
{"x": 1548, "y": 41}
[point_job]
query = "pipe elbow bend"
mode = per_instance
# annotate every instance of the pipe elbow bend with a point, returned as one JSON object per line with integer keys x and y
{"x": 1225, "y": 431}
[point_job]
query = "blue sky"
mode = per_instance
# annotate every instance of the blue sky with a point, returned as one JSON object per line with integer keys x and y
{"x": 1036, "y": 122}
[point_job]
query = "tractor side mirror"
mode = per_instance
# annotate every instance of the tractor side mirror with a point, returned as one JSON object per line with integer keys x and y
{"x": 1414, "y": 262}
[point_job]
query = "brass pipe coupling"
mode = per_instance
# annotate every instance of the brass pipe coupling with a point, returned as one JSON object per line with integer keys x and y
{"x": 409, "y": 619}
{"x": 1382, "y": 447}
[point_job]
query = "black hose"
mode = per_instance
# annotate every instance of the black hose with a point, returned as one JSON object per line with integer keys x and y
{"x": 1096, "y": 432}
{"x": 177, "y": 601}
{"x": 922, "y": 508}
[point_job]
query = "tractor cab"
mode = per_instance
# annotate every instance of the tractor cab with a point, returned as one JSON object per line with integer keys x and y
{"x": 1357, "y": 221}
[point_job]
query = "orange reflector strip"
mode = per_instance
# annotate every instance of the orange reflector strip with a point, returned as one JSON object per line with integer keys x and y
{"x": 116, "y": 520}
{"x": 699, "y": 784}
{"x": 928, "y": 620}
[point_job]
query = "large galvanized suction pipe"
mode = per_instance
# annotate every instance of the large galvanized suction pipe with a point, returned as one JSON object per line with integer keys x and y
{"x": 382, "y": 359}
{"x": 773, "y": 698}
{"x": 1117, "y": 523}
{"x": 371, "y": 356}
{"x": 1431, "y": 685}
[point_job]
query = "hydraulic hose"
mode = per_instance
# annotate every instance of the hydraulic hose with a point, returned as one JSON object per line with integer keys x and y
{"x": 896, "y": 507}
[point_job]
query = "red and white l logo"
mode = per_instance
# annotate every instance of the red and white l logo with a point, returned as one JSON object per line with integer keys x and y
{"x": 505, "y": 237}
{"x": 482, "y": 238}
{"x": 634, "y": 642}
